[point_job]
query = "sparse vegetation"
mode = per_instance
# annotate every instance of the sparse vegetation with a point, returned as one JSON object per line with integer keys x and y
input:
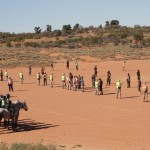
{"x": 37, "y": 146}
{"x": 107, "y": 42}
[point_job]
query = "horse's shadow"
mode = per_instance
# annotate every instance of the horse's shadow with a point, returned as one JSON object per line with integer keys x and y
{"x": 26, "y": 125}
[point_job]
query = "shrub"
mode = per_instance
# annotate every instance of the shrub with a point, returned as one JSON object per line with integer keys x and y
{"x": 8, "y": 44}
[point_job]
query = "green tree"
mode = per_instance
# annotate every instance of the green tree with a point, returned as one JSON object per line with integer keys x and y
{"x": 37, "y": 30}
{"x": 49, "y": 28}
{"x": 107, "y": 24}
{"x": 114, "y": 22}
{"x": 76, "y": 26}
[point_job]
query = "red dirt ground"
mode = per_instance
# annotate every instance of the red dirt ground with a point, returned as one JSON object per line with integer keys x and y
{"x": 59, "y": 116}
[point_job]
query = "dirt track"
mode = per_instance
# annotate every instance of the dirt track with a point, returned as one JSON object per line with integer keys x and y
{"x": 59, "y": 116}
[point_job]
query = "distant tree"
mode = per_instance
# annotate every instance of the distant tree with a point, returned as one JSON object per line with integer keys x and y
{"x": 66, "y": 30}
{"x": 66, "y": 27}
{"x": 114, "y": 22}
{"x": 137, "y": 26}
{"x": 37, "y": 30}
{"x": 76, "y": 26}
{"x": 100, "y": 26}
{"x": 49, "y": 28}
{"x": 107, "y": 24}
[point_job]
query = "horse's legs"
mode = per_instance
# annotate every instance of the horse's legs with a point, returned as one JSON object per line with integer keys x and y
{"x": 0, "y": 120}
{"x": 5, "y": 123}
{"x": 15, "y": 123}
{"x": 8, "y": 124}
{"x": 12, "y": 123}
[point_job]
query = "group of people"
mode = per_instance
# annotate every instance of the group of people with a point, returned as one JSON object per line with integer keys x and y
{"x": 6, "y": 103}
{"x": 141, "y": 88}
{"x": 72, "y": 82}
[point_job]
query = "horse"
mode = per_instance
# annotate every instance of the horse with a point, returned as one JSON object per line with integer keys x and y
{"x": 7, "y": 115}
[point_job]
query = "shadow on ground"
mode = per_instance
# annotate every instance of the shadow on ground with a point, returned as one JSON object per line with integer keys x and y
{"x": 26, "y": 125}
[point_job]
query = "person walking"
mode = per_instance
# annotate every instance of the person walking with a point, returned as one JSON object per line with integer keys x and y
{"x": 21, "y": 77}
{"x": 51, "y": 80}
{"x": 118, "y": 88}
{"x": 10, "y": 84}
{"x": 128, "y": 80}
{"x": 145, "y": 92}
{"x": 38, "y": 76}
{"x": 1, "y": 74}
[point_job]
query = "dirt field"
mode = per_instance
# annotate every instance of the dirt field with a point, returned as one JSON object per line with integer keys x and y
{"x": 63, "y": 117}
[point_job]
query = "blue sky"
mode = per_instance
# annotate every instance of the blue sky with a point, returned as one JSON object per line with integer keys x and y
{"x": 23, "y": 15}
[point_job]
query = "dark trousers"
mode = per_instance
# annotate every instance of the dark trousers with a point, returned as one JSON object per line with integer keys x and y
{"x": 45, "y": 81}
{"x": 10, "y": 87}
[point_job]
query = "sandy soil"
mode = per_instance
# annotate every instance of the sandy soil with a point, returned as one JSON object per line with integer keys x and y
{"x": 63, "y": 117}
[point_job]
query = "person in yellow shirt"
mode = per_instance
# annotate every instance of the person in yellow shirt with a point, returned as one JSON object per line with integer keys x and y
{"x": 21, "y": 77}
{"x": 6, "y": 75}
{"x": 96, "y": 87}
{"x": 51, "y": 80}
{"x": 123, "y": 66}
{"x": 118, "y": 88}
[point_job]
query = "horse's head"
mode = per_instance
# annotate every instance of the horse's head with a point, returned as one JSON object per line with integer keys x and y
{"x": 25, "y": 107}
{"x": 20, "y": 105}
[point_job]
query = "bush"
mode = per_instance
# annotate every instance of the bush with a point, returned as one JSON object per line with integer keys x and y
{"x": 8, "y": 44}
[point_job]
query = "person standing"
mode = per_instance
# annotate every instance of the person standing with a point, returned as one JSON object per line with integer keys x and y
{"x": 51, "y": 80}
{"x": 82, "y": 83}
{"x": 128, "y": 80}
{"x": 138, "y": 74}
{"x": 38, "y": 76}
{"x": 63, "y": 79}
{"x": 1, "y": 74}
{"x": 52, "y": 66}
{"x": 30, "y": 70}
{"x": 45, "y": 79}
{"x": 6, "y": 75}
{"x": 42, "y": 70}
{"x": 139, "y": 86}
{"x": 108, "y": 78}
{"x": 67, "y": 64}
{"x": 10, "y": 84}
{"x": 101, "y": 86}
{"x": 93, "y": 80}
{"x": 76, "y": 65}
{"x": 95, "y": 70}
{"x": 21, "y": 77}
{"x": 145, "y": 92}
{"x": 123, "y": 66}
{"x": 96, "y": 86}
{"x": 118, "y": 88}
